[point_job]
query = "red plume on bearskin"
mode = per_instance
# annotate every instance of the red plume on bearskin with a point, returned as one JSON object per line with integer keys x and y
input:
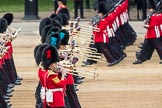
{"x": 49, "y": 56}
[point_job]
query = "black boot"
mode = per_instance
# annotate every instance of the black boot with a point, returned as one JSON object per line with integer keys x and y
{"x": 137, "y": 62}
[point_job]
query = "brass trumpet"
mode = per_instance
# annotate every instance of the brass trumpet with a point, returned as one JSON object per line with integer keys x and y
{"x": 86, "y": 74}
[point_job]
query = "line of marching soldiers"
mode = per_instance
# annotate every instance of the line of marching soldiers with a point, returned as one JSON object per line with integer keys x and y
{"x": 112, "y": 32}
{"x": 8, "y": 74}
{"x": 57, "y": 86}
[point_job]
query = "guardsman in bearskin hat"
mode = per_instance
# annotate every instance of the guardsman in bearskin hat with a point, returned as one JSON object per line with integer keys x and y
{"x": 49, "y": 26}
{"x": 101, "y": 37}
{"x": 70, "y": 89}
{"x": 44, "y": 22}
{"x": 54, "y": 40}
{"x": 4, "y": 78}
{"x": 37, "y": 55}
{"x": 7, "y": 66}
{"x": 152, "y": 37}
{"x": 9, "y": 61}
{"x": 12, "y": 32}
{"x": 52, "y": 78}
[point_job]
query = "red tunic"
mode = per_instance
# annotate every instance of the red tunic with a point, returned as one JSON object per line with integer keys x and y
{"x": 6, "y": 56}
{"x": 70, "y": 79}
{"x": 110, "y": 19}
{"x": 125, "y": 5}
{"x": 119, "y": 11}
{"x": 101, "y": 36}
{"x": 153, "y": 28}
{"x": 54, "y": 84}
{"x": 10, "y": 45}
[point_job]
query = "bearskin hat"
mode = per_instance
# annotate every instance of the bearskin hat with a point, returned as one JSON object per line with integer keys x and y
{"x": 102, "y": 7}
{"x": 53, "y": 29}
{"x": 105, "y": 6}
{"x": 65, "y": 11}
{"x": 52, "y": 16}
{"x": 49, "y": 56}
{"x": 35, "y": 50}
{"x": 64, "y": 35}
{"x": 64, "y": 18}
{"x": 44, "y": 32}
{"x": 38, "y": 53}
{"x": 56, "y": 23}
{"x": 3, "y": 25}
{"x": 44, "y": 22}
{"x": 58, "y": 19}
{"x": 54, "y": 40}
{"x": 9, "y": 17}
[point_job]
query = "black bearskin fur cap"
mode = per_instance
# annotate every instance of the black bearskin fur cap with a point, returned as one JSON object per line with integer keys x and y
{"x": 56, "y": 39}
{"x": 53, "y": 29}
{"x": 52, "y": 16}
{"x": 38, "y": 53}
{"x": 49, "y": 56}
{"x": 64, "y": 18}
{"x": 3, "y": 25}
{"x": 44, "y": 33}
{"x": 57, "y": 23}
{"x": 102, "y": 8}
{"x": 9, "y": 17}
{"x": 65, "y": 40}
{"x": 35, "y": 50}
{"x": 43, "y": 23}
{"x": 58, "y": 19}
{"x": 105, "y": 6}
{"x": 64, "y": 11}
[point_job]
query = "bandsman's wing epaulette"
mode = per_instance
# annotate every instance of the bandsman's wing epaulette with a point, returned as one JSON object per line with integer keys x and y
{"x": 56, "y": 80}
